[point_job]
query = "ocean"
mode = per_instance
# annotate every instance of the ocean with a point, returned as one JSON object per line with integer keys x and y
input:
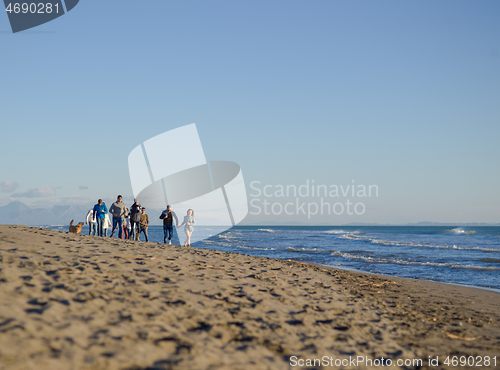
{"x": 458, "y": 255}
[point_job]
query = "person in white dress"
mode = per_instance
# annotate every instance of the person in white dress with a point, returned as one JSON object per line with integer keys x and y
{"x": 188, "y": 223}
{"x": 107, "y": 224}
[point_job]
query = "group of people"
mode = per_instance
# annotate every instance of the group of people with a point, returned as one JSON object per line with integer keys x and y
{"x": 131, "y": 223}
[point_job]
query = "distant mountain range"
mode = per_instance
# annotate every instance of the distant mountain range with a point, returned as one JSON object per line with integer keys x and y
{"x": 18, "y": 213}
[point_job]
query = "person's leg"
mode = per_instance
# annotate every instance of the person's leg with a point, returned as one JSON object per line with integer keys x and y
{"x": 115, "y": 225}
{"x": 145, "y": 231}
{"x": 135, "y": 230}
{"x": 132, "y": 227}
{"x": 189, "y": 237}
{"x": 93, "y": 228}
{"x": 105, "y": 232}
{"x": 120, "y": 227}
{"x": 165, "y": 231}
{"x": 170, "y": 233}
{"x": 99, "y": 226}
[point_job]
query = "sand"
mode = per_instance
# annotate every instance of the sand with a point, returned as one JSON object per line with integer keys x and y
{"x": 82, "y": 302}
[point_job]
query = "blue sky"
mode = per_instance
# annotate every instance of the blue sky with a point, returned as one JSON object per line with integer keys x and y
{"x": 404, "y": 95}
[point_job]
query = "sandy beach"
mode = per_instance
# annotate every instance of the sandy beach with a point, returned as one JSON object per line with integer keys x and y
{"x": 72, "y": 301}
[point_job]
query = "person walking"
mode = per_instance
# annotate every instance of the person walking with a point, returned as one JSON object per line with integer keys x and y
{"x": 135, "y": 219}
{"x": 168, "y": 230}
{"x": 107, "y": 224}
{"x": 126, "y": 224}
{"x": 100, "y": 211}
{"x": 189, "y": 221}
{"x": 92, "y": 222}
{"x": 118, "y": 210}
{"x": 143, "y": 224}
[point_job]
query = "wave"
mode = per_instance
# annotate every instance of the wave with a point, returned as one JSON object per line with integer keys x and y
{"x": 353, "y": 236}
{"x": 481, "y": 249}
{"x": 490, "y": 260}
{"x": 341, "y": 232}
{"x": 414, "y": 263}
{"x": 255, "y": 248}
{"x": 303, "y": 249}
{"x": 266, "y": 230}
{"x": 362, "y": 252}
{"x": 459, "y": 231}
{"x": 415, "y": 245}
{"x": 229, "y": 235}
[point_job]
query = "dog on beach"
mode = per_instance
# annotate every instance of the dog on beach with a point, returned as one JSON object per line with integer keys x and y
{"x": 75, "y": 229}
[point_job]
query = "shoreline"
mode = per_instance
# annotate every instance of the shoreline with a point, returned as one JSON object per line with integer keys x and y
{"x": 83, "y": 302}
{"x": 494, "y": 290}
{"x": 461, "y": 269}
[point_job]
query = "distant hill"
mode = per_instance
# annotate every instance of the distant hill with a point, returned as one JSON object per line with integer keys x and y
{"x": 18, "y": 213}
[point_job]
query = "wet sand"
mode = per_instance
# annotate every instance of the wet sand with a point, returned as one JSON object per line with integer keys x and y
{"x": 82, "y": 302}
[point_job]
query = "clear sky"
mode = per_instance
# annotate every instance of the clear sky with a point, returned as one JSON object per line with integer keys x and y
{"x": 401, "y": 94}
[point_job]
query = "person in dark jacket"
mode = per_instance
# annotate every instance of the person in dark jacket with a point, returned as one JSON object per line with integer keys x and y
{"x": 168, "y": 230}
{"x": 135, "y": 219}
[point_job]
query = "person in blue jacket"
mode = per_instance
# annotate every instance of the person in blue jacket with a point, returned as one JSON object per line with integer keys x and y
{"x": 100, "y": 211}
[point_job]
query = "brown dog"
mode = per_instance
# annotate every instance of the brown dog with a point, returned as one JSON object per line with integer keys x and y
{"x": 75, "y": 229}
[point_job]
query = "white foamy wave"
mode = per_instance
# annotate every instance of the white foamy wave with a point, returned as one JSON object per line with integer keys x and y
{"x": 335, "y": 232}
{"x": 229, "y": 235}
{"x": 481, "y": 249}
{"x": 255, "y": 248}
{"x": 354, "y": 237}
{"x": 400, "y": 261}
{"x": 417, "y": 245}
{"x": 302, "y": 249}
{"x": 267, "y": 230}
{"x": 460, "y": 231}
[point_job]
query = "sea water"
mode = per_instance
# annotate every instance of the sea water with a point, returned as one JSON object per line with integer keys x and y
{"x": 460, "y": 255}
